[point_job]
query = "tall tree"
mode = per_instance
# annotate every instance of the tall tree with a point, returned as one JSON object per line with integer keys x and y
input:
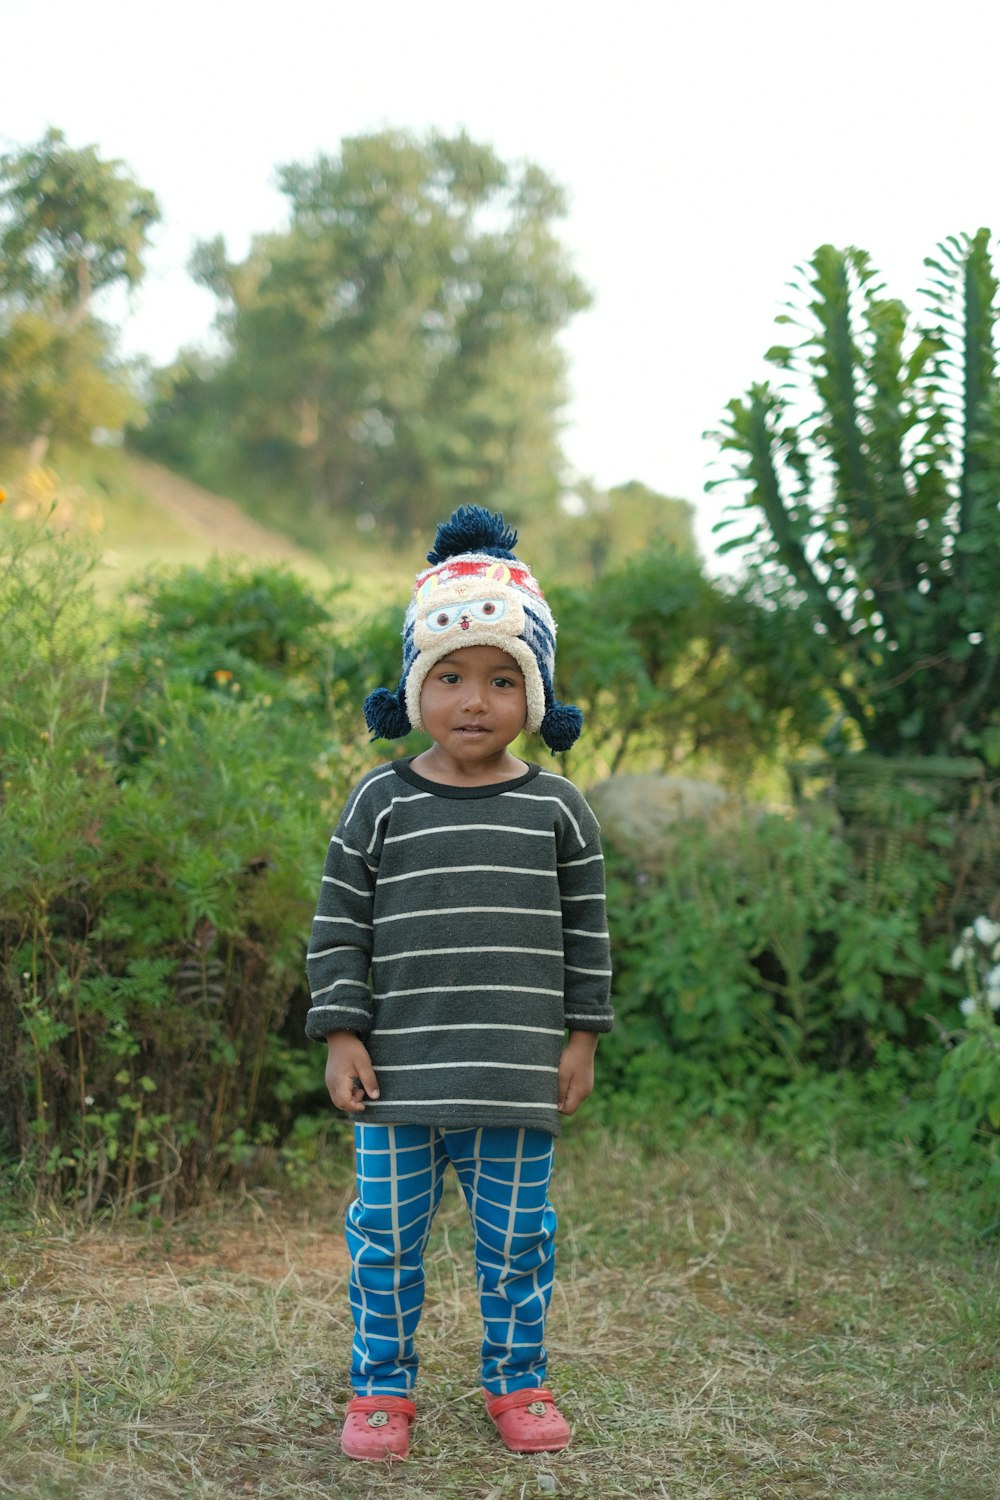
{"x": 869, "y": 479}
{"x": 393, "y": 352}
{"x": 72, "y": 225}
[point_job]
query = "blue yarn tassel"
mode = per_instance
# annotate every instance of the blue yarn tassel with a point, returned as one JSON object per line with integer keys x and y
{"x": 473, "y": 529}
{"x": 385, "y": 714}
{"x": 561, "y": 726}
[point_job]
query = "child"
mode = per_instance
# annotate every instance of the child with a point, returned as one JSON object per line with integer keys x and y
{"x": 460, "y": 933}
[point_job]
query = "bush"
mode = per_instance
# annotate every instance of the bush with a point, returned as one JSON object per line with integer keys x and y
{"x": 965, "y": 1126}
{"x": 759, "y": 958}
{"x": 666, "y": 665}
{"x": 159, "y": 853}
{"x": 794, "y": 976}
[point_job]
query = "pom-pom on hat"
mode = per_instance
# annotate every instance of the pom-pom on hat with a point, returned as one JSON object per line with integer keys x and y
{"x": 476, "y": 593}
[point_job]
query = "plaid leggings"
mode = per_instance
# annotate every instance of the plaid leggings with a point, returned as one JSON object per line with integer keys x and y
{"x": 504, "y": 1175}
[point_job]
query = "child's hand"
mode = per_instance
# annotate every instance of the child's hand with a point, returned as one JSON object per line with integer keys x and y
{"x": 350, "y": 1077}
{"x": 576, "y": 1071}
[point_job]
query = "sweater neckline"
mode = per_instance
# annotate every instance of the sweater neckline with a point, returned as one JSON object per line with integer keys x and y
{"x": 404, "y": 770}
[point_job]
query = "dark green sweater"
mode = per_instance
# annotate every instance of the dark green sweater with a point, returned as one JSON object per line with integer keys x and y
{"x": 460, "y": 931}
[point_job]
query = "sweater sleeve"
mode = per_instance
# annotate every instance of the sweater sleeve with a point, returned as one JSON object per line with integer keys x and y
{"x": 338, "y": 959}
{"x": 586, "y": 946}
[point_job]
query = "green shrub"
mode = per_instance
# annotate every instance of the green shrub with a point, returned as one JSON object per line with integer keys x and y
{"x": 668, "y": 665}
{"x": 965, "y": 1122}
{"x": 761, "y": 956}
{"x": 163, "y": 827}
{"x": 792, "y": 976}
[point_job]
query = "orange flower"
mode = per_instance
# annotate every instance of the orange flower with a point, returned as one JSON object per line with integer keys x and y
{"x": 222, "y": 675}
{"x": 3, "y": 496}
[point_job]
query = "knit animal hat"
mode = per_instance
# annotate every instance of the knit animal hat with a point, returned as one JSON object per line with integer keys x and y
{"x": 476, "y": 593}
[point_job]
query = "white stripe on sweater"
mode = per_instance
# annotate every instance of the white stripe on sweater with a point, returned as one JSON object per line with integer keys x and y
{"x": 534, "y": 797}
{"x": 350, "y": 922}
{"x": 452, "y": 911}
{"x": 463, "y": 989}
{"x": 491, "y": 828}
{"x": 366, "y": 787}
{"x": 387, "y": 813}
{"x": 330, "y": 880}
{"x": 465, "y": 1026}
{"x": 328, "y": 989}
{"x": 535, "y": 1104}
{"x": 468, "y": 870}
{"x": 516, "y": 1067}
{"x": 385, "y": 958}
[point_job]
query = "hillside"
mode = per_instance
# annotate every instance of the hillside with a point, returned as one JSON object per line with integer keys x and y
{"x": 174, "y": 521}
{"x": 209, "y": 520}
{"x": 136, "y": 514}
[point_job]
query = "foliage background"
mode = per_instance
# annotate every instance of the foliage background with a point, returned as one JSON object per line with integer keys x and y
{"x": 169, "y": 775}
{"x": 172, "y": 758}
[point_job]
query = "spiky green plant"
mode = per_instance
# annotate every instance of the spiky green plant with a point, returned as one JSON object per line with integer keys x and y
{"x": 870, "y": 476}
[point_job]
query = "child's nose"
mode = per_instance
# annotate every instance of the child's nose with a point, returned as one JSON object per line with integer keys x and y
{"x": 475, "y": 698}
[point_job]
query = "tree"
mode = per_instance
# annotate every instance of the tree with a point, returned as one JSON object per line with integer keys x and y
{"x": 604, "y": 527}
{"x": 392, "y": 353}
{"x": 71, "y": 226}
{"x": 667, "y": 665}
{"x": 870, "y": 482}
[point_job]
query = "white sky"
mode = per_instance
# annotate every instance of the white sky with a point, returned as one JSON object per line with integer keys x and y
{"x": 707, "y": 149}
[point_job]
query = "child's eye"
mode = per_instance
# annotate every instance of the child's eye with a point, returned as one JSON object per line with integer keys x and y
{"x": 503, "y": 682}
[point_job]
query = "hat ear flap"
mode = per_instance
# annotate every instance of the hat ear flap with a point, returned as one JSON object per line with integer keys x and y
{"x": 561, "y": 726}
{"x": 385, "y": 714}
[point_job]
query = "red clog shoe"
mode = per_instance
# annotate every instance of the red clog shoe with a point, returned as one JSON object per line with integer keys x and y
{"x": 377, "y": 1427}
{"x": 529, "y": 1421}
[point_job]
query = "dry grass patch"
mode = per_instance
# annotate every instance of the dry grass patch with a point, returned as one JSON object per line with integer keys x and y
{"x": 726, "y": 1326}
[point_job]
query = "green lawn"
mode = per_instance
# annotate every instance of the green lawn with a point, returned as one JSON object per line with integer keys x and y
{"x": 726, "y": 1324}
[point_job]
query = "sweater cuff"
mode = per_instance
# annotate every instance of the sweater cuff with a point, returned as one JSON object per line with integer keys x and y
{"x": 322, "y": 1019}
{"x": 589, "y": 1021}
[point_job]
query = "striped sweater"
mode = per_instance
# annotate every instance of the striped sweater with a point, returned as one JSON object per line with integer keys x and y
{"x": 459, "y": 932}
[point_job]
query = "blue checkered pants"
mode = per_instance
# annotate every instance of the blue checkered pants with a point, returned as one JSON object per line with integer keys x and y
{"x": 504, "y": 1176}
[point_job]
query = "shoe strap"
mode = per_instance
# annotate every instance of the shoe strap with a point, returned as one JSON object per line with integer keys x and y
{"x": 382, "y": 1403}
{"x": 497, "y": 1405}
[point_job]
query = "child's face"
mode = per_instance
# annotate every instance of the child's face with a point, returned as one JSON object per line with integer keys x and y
{"x": 473, "y": 704}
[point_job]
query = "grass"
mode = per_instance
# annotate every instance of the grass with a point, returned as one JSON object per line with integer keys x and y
{"x": 134, "y": 515}
{"x": 726, "y": 1324}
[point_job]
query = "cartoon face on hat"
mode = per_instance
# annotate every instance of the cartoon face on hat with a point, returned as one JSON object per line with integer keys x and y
{"x": 445, "y": 601}
{"x": 476, "y": 593}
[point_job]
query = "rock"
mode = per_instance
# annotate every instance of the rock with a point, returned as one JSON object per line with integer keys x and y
{"x": 639, "y": 814}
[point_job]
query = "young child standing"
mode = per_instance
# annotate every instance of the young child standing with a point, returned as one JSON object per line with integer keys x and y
{"x": 460, "y": 977}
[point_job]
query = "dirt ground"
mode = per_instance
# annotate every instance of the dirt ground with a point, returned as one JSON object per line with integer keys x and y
{"x": 274, "y": 1250}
